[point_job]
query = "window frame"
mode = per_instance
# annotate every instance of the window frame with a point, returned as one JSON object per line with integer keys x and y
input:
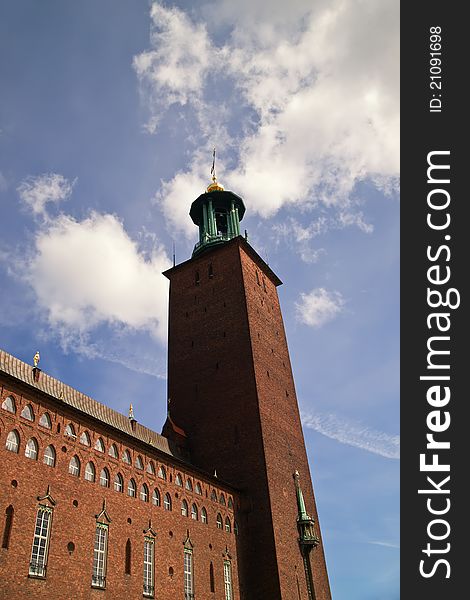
{"x": 41, "y": 540}
{"x": 100, "y": 555}
{"x": 149, "y": 567}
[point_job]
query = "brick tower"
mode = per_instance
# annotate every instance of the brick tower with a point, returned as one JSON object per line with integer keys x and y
{"x": 231, "y": 389}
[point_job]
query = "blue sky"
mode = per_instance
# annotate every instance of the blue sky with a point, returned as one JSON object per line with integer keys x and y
{"x": 108, "y": 115}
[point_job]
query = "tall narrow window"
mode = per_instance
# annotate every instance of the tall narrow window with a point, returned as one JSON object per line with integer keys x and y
{"x": 8, "y": 525}
{"x": 167, "y": 502}
{"x": 118, "y": 483}
{"x": 113, "y": 451}
{"x": 149, "y": 566}
{"x": 104, "y": 478}
{"x": 139, "y": 464}
{"x": 13, "y": 441}
{"x": 228, "y": 580}
{"x": 74, "y": 466}
{"x": 188, "y": 575}
{"x": 162, "y": 472}
{"x": 178, "y": 480}
{"x": 194, "y": 515}
{"x": 211, "y": 271}
{"x": 131, "y": 488}
{"x": 31, "y": 450}
{"x": 203, "y": 515}
{"x": 49, "y": 456}
{"x": 127, "y": 566}
{"x": 42, "y": 532}
{"x": 211, "y": 577}
{"x": 184, "y": 508}
{"x": 126, "y": 457}
{"x": 150, "y": 468}
{"x": 228, "y": 525}
{"x": 156, "y": 497}
{"x": 219, "y": 521}
{"x": 144, "y": 493}
{"x": 98, "y": 578}
{"x": 198, "y": 489}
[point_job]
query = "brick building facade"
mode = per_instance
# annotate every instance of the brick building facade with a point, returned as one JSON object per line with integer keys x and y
{"x": 220, "y": 505}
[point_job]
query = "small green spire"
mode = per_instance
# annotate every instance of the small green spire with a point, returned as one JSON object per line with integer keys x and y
{"x": 303, "y": 515}
{"x": 305, "y": 523}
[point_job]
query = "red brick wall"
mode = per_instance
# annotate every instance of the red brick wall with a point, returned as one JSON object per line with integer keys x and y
{"x": 69, "y": 575}
{"x": 230, "y": 377}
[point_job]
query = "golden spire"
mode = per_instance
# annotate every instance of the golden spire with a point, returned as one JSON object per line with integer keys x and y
{"x": 214, "y": 186}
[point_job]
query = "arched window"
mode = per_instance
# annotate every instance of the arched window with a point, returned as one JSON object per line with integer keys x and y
{"x": 219, "y": 521}
{"x": 228, "y": 525}
{"x": 228, "y": 580}
{"x": 178, "y": 480}
{"x": 85, "y": 438}
{"x": 90, "y": 473}
{"x": 211, "y": 577}
{"x": 31, "y": 450}
{"x": 45, "y": 420}
{"x": 69, "y": 431}
{"x": 126, "y": 457}
{"x": 139, "y": 463}
{"x": 113, "y": 451}
{"x": 203, "y": 515}
{"x": 198, "y": 489}
{"x": 230, "y": 503}
{"x": 74, "y": 466}
{"x": 167, "y": 502}
{"x": 9, "y": 404}
{"x": 144, "y": 493}
{"x": 222, "y": 499}
{"x": 194, "y": 514}
{"x": 188, "y": 485}
{"x": 118, "y": 483}
{"x": 13, "y": 441}
{"x": 235, "y": 528}
{"x": 131, "y": 488}
{"x": 127, "y": 566}
{"x": 10, "y": 511}
{"x": 162, "y": 472}
{"x": 27, "y": 413}
{"x": 150, "y": 468}
{"x": 156, "y": 497}
{"x": 184, "y": 508}
{"x": 99, "y": 445}
{"x": 214, "y": 495}
{"x": 104, "y": 478}
{"x": 49, "y": 456}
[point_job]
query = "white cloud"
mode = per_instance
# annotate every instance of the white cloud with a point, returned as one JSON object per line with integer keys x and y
{"x": 90, "y": 273}
{"x": 353, "y": 434}
{"x": 313, "y": 90}
{"x": 37, "y": 192}
{"x": 318, "y": 307}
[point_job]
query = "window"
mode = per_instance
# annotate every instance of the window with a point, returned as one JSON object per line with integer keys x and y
{"x": 99, "y": 445}
{"x": 211, "y": 577}
{"x": 228, "y": 525}
{"x": 188, "y": 575}
{"x": 127, "y": 565}
{"x": 27, "y": 413}
{"x": 219, "y": 521}
{"x": 214, "y": 495}
{"x": 144, "y": 493}
{"x": 42, "y": 532}
{"x": 235, "y": 528}
{"x": 222, "y": 499}
{"x": 49, "y": 456}
{"x": 156, "y": 497}
{"x": 211, "y": 271}
{"x": 198, "y": 489}
{"x": 90, "y": 472}
{"x": 189, "y": 485}
{"x": 13, "y": 441}
{"x": 85, "y": 438}
{"x": 184, "y": 508}
{"x": 113, "y": 451}
{"x": 10, "y": 511}
{"x": 167, "y": 502}
{"x": 69, "y": 431}
{"x": 194, "y": 515}
{"x": 31, "y": 450}
{"x": 257, "y": 278}
{"x": 118, "y": 483}
{"x": 132, "y": 489}
{"x": 138, "y": 463}
{"x": 149, "y": 560}
{"x": 104, "y": 478}
{"x": 126, "y": 457}
{"x": 197, "y": 278}
{"x": 162, "y": 472}
{"x": 178, "y": 480}
{"x": 230, "y": 503}
{"x": 203, "y": 515}
{"x": 9, "y": 404}
{"x": 45, "y": 420}
{"x": 98, "y": 578}
{"x": 74, "y": 466}
{"x": 150, "y": 468}
{"x": 228, "y": 580}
